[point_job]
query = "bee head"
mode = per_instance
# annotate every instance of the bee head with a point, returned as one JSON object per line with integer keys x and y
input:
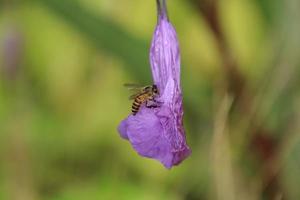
{"x": 155, "y": 90}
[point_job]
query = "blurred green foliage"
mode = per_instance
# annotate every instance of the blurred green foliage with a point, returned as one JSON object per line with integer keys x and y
{"x": 62, "y": 99}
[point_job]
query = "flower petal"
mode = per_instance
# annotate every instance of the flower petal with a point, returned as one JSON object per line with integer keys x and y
{"x": 147, "y": 136}
{"x": 123, "y": 129}
{"x": 165, "y": 54}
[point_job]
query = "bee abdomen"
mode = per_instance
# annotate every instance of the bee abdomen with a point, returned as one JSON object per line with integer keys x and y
{"x": 135, "y": 106}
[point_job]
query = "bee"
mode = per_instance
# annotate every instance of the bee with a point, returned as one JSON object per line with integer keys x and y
{"x": 142, "y": 94}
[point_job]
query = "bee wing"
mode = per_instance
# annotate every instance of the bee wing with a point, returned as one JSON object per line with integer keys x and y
{"x": 131, "y": 97}
{"x": 133, "y": 86}
{"x": 137, "y": 89}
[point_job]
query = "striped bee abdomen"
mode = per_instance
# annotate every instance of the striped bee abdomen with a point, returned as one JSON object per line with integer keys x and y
{"x": 137, "y": 103}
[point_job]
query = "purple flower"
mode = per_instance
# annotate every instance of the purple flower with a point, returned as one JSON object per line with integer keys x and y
{"x": 158, "y": 132}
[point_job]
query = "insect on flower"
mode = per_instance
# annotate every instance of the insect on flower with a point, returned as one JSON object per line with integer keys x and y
{"x": 142, "y": 94}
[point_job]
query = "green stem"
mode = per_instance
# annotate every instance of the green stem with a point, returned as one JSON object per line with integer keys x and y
{"x": 162, "y": 9}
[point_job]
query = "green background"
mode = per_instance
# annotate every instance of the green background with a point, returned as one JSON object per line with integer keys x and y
{"x": 61, "y": 99}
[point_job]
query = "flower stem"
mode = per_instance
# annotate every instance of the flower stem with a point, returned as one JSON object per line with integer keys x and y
{"x": 162, "y": 9}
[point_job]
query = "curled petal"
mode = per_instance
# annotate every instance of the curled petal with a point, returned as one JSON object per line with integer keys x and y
{"x": 164, "y": 54}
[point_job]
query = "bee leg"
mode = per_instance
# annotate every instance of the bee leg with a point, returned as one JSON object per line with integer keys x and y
{"x": 158, "y": 103}
{"x": 148, "y": 105}
{"x": 152, "y": 103}
{"x": 152, "y": 106}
